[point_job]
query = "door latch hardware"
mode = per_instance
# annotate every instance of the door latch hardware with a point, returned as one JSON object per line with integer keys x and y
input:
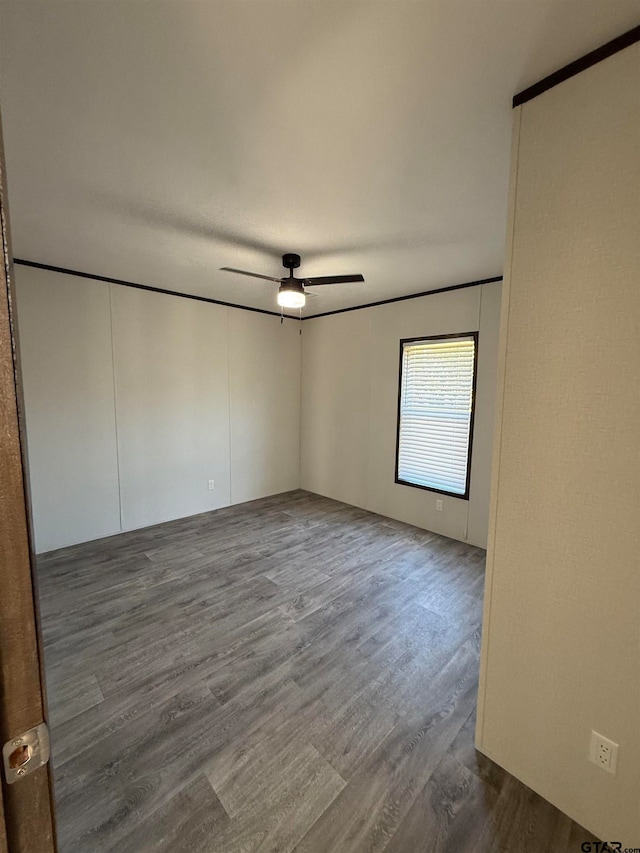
{"x": 25, "y": 753}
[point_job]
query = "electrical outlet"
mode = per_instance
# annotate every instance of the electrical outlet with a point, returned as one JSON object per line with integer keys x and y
{"x": 211, "y": 485}
{"x": 439, "y": 505}
{"x": 603, "y": 752}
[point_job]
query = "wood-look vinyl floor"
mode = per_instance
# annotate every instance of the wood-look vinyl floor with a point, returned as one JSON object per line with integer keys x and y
{"x": 291, "y": 674}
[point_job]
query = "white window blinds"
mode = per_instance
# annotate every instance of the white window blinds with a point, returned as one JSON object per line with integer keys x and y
{"x": 435, "y": 413}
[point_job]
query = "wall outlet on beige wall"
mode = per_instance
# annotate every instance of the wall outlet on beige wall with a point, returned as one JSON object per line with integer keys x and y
{"x": 603, "y": 752}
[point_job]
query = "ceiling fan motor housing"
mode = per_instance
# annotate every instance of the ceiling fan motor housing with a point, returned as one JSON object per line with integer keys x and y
{"x": 294, "y": 285}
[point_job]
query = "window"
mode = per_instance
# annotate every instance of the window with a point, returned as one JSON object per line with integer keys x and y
{"x": 435, "y": 412}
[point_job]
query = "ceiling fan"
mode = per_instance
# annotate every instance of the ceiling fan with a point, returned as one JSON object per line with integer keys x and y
{"x": 292, "y": 293}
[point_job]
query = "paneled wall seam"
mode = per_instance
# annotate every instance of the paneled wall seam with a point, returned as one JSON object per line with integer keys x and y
{"x": 498, "y": 420}
{"x": 301, "y": 348}
{"x": 115, "y": 404}
{"x": 230, "y": 443}
{"x": 369, "y": 413}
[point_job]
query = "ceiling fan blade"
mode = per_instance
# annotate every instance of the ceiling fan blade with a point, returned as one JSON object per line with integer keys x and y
{"x": 333, "y": 279}
{"x": 309, "y": 293}
{"x": 252, "y": 274}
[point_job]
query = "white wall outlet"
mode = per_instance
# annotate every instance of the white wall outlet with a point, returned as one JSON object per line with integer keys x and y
{"x": 439, "y": 505}
{"x": 603, "y": 752}
{"x": 211, "y": 485}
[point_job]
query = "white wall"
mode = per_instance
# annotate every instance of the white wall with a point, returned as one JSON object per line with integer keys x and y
{"x": 171, "y": 359}
{"x": 350, "y": 400}
{"x": 335, "y": 406}
{"x": 561, "y": 639}
{"x": 264, "y": 376}
{"x": 65, "y": 352}
{"x": 134, "y": 400}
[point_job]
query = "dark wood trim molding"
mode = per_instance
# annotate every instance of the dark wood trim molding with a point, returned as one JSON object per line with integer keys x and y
{"x": 148, "y": 287}
{"x": 573, "y": 68}
{"x": 408, "y": 296}
{"x": 95, "y": 277}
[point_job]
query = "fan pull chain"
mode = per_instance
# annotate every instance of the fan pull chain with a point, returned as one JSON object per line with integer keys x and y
{"x": 300, "y": 320}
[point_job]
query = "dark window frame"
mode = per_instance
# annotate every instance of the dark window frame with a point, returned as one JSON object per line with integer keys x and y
{"x": 425, "y": 339}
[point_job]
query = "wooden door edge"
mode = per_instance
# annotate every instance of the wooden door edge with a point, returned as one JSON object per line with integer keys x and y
{"x": 28, "y": 803}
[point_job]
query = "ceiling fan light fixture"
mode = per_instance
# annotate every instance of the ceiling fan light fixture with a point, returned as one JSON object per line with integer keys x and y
{"x": 291, "y": 293}
{"x": 291, "y": 298}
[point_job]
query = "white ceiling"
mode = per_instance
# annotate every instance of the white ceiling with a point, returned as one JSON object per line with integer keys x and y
{"x": 157, "y": 141}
